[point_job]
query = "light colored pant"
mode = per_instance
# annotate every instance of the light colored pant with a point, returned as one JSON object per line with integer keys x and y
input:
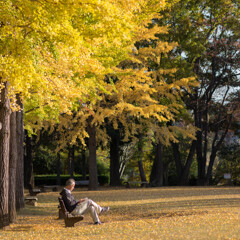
{"x": 88, "y": 206}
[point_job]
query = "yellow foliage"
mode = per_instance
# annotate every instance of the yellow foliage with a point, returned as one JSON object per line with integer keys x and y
{"x": 57, "y": 54}
{"x": 54, "y": 52}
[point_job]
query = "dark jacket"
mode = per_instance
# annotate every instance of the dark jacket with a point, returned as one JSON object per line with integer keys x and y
{"x": 69, "y": 200}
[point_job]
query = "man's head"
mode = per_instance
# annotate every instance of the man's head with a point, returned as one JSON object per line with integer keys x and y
{"x": 70, "y": 184}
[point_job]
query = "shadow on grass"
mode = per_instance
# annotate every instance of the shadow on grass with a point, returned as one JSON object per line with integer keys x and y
{"x": 186, "y": 204}
{"x": 155, "y": 215}
{"x": 19, "y": 229}
{"x": 38, "y": 211}
{"x": 170, "y": 214}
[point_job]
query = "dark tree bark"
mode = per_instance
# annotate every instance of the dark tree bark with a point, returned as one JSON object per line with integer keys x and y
{"x": 141, "y": 171}
{"x": 215, "y": 148}
{"x": 4, "y": 155}
{"x": 12, "y": 169}
{"x": 156, "y": 177}
{"x": 205, "y": 132}
{"x": 184, "y": 180}
{"x": 28, "y": 162}
{"x": 177, "y": 159}
{"x": 58, "y": 168}
{"x": 71, "y": 160}
{"x": 199, "y": 146}
{"x": 140, "y": 163}
{"x": 93, "y": 177}
{"x": 165, "y": 174}
{"x": 114, "y": 161}
{"x": 84, "y": 166}
{"x": 20, "y": 158}
{"x": 183, "y": 170}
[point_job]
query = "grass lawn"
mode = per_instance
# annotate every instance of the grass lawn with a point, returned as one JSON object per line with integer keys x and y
{"x": 138, "y": 213}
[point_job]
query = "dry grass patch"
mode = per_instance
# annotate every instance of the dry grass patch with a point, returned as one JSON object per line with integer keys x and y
{"x": 150, "y": 213}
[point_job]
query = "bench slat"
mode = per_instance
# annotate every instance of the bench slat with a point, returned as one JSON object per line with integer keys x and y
{"x": 33, "y": 191}
{"x": 31, "y": 201}
{"x": 69, "y": 219}
{"x": 82, "y": 183}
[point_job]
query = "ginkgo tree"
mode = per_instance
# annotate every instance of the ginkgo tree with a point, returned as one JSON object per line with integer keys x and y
{"x": 135, "y": 96}
{"x": 53, "y": 53}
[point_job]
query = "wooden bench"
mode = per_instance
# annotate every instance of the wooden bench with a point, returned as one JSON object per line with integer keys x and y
{"x": 31, "y": 201}
{"x": 129, "y": 183}
{"x": 54, "y": 188}
{"x": 33, "y": 191}
{"x": 60, "y": 213}
{"x": 69, "y": 219}
{"x": 82, "y": 183}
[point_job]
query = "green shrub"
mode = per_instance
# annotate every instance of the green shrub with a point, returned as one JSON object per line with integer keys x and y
{"x": 52, "y": 179}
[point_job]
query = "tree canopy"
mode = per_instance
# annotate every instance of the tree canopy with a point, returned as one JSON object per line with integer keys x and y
{"x": 56, "y": 52}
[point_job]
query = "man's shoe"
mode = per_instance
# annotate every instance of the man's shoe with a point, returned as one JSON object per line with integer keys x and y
{"x": 97, "y": 223}
{"x": 105, "y": 209}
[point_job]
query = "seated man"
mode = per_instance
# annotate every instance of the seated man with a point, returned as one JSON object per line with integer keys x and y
{"x": 79, "y": 207}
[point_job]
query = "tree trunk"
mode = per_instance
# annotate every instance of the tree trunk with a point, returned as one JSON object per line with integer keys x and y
{"x": 186, "y": 170}
{"x": 141, "y": 171}
{"x": 201, "y": 165}
{"x": 206, "y": 130}
{"x": 177, "y": 159}
{"x": 84, "y": 172}
{"x": 215, "y": 149}
{"x": 12, "y": 169}
{"x": 58, "y": 168}
{"x": 156, "y": 177}
{"x": 20, "y": 158}
{"x": 4, "y": 155}
{"x": 114, "y": 161}
{"x": 28, "y": 163}
{"x": 140, "y": 163}
{"x": 199, "y": 141}
{"x": 71, "y": 161}
{"x": 93, "y": 177}
{"x": 165, "y": 174}
{"x": 210, "y": 166}
{"x": 183, "y": 171}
